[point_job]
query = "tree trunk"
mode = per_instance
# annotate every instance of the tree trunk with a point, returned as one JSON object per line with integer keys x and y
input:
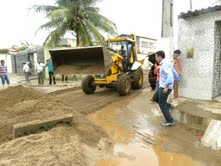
{"x": 78, "y": 39}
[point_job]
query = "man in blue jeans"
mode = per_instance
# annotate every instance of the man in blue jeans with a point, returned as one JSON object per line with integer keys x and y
{"x": 4, "y": 73}
{"x": 167, "y": 78}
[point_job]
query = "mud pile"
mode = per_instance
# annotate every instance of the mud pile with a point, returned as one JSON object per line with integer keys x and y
{"x": 55, "y": 147}
{"x": 59, "y": 146}
{"x": 16, "y": 94}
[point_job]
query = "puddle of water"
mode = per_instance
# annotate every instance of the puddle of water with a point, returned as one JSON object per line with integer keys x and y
{"x": 136, "y": 155}
{"x": 109, "y": 120}
{"x": 134, "y": 141}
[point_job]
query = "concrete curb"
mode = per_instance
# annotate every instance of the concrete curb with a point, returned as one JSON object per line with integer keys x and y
{"x": 212, "y": 135}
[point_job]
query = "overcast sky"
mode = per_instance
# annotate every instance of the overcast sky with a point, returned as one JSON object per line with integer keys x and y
{"x": 19, "y": 23}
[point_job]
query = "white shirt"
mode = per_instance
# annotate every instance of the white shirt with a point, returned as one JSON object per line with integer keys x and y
{"x": 40, "y": 67}
{"x": 26, "y": 68}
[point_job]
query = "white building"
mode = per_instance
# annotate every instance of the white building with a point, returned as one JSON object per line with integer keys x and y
{"x": 145, "y": 46}
{"x": 197, "y": 29}
{"x": 199, "y": 40}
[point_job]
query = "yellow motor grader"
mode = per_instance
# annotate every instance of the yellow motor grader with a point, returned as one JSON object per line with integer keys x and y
{"x": 104, "y": 66}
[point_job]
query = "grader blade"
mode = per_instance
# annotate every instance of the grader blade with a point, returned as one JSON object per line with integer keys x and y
{"x": 36, "y": 126}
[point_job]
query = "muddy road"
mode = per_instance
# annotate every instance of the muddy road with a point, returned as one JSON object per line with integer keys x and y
{"x": 87, "y": 104}
{"x": 107, "y": 130}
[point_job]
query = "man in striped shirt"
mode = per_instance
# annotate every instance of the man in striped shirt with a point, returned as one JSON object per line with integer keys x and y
{"x": 4, "y": 73}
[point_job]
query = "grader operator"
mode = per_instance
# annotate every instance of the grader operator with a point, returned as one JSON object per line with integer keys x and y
{"x": 112, "y": 65}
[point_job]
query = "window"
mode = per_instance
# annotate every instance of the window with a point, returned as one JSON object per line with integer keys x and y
{"x": 152, "y": 45}
{"x": 144, "y": 44}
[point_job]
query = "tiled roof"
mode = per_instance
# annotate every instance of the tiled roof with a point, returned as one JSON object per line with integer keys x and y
{"x": 199, "y": 12}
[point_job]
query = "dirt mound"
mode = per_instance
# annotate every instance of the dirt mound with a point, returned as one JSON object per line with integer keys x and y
{"x": 19, "y": 109}
{"x": 43, "y": 108}
{"x": 16, "y": 94}
{"x": 69, "y": 69}
{"x": 55, "y": 147}
{"x": 59, "y": 146}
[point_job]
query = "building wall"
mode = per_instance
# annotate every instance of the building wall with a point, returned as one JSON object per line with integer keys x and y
{"x": 217, "y": 61}
{"x": 198, "y": 32}
{"x": 144, "y": 47}
{"x": 22, "y": 57}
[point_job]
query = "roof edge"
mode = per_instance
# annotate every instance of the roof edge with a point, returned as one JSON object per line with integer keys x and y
{"x": 199, "y": 12}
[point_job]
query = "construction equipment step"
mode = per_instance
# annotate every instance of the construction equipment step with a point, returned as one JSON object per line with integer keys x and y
{"x": 33, "y": 127}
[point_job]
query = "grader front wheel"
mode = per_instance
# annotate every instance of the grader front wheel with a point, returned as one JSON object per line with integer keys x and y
{"x": 137, "y": 77}
{"x": 123, "y": 85}
{"x": 87, "y": 85}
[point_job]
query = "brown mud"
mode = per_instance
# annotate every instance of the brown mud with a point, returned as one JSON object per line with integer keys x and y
{"x": 107, "y": 130}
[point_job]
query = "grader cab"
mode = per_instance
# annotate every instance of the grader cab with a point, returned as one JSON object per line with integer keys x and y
{"x": 105, "y": 66}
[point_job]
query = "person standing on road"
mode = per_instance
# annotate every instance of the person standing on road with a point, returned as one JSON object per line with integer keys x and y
{"x": 4, "y": 73}
{"x": 26, "y": 70}
{"x": 51, "y": 72}
{"x": 177, "y": 67}
{"x": 166, "y": 84}
{"x": 39, "y": 69}
{"x": 157, "y": 72}
{"x": 64, "y": 77}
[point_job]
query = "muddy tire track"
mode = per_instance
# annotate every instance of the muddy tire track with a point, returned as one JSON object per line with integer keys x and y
{"x": 87, "y": 104}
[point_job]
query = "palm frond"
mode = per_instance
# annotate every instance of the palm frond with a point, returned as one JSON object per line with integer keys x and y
{"x": 85, "y": 37}
{"x": 55, "y": 35}
{"x": 44, "y": 8}
{"x": 51, "y": 24}
{"x": 102, "y": 23}
{"x": 79, "y": 16}
{"x": 94, "y": 31}
{"x": 59, "y": 13}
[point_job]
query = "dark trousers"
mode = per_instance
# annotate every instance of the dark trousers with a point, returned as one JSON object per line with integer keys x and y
{"x": 51, "y": 76}
{"x": 5, "y": 78}
{"x": 41, "y": 78}
{"x": 156, "y": 94}
{"x": 26, "y": 76}
{"x": 66, "y": 78}
{"x": 164, "y": 106}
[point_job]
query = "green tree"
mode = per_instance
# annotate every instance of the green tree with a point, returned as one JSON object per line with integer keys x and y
{"x": 78, "y": 17}
{"x": 24, "y": 46}
{"x": 3, "y": 51}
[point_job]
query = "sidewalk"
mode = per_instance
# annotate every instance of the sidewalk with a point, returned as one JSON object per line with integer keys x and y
{"x": 203, "y": 116}
{"x": 20, "y": 80}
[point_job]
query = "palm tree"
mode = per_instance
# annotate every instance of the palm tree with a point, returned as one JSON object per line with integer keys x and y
{"x": 79, "y": 17}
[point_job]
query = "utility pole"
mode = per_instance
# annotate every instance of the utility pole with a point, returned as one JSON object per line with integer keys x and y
{"x": 190, "y": 5}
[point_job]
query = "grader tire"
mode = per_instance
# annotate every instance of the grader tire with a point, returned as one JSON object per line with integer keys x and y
{"x": 137, "y": 77}
{"x": 123, "y": 85}
{"x": 87, "y": 85}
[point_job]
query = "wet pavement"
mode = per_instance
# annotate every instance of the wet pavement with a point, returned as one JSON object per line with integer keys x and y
{"x": 133, "y": 125}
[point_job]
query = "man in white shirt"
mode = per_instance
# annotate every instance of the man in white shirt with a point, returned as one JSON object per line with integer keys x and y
{"x": 167, "y": 77}
{"x": 39, "y": 69}
{"x": 26, "y": 70}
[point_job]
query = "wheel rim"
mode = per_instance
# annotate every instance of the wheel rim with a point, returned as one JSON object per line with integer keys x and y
{"x": 127, "y": 85}
{"x": 141, "y": 78}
